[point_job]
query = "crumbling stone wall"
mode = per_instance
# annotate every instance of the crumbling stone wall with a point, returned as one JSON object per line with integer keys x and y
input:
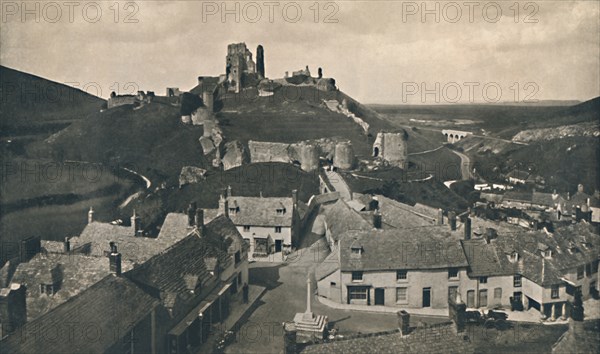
{"x": 235, "y": 155}
{"x": 116, "y": 101}
{"x": 391, "y": 147}
{"x": 261, "y": 151}
{"x": 307, "y": 154}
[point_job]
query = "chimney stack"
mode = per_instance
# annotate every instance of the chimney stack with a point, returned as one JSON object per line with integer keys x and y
{"x": 403, "y": 322}
{"x": 440, "y": 217}
{"x": 377, "y": 219}
{"x": 66, "y": 245}
{"x": 228, "y": 191}
{"x": 91, "y": 216}
{"x": 191, "y": 213}
{"x": 467, "y": 227}
{"x": 13, "y": 308}
{"x": 114, "y": 260}
{"x": 452, "y": 220}
{"x": 136, "y": 223}
{"x": 223, "y": 206}
{"x": 199, "y": 221}
{"x": 295, "y": 197}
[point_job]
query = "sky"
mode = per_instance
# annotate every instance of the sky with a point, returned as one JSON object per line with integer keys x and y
{"x": 377, "y": 51}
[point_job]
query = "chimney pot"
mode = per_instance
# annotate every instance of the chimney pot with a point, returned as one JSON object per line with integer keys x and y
{"x": 452, "y": 220}
{"x": 66, "y": 245}
{"x": 114, "y": 259}
{"x": 467, "y": 227}
{"x": 377, "y": 219}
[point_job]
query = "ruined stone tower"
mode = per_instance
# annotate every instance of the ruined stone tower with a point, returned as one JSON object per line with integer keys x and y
{"x": 309, "y": 157}
{"x": 260, "y": 62}
{"x": 391, "y": 147}
{"x": 238, "y": 65}
{"x": 344, "y": 156}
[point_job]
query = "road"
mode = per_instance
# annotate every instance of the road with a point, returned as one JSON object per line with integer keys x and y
{"x": 465, "y": 165}
{"x": 339, "y": 184}
{"x": 261, "y": 331}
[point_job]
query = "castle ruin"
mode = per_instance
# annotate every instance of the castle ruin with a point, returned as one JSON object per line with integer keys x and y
{"x": 391, "y": 147}
{"x": 240, "y": 69}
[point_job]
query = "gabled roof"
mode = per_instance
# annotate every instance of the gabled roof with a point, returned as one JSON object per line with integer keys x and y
{"x": 492, "y": 259}
{"x": 111, "y": 307}
{"x": 330, "y": 264}
{"x": 434, "y": 339}
{"x": 399, "y": 215}
{"x": 71, "y": 273}
{"x": 341, "y": 218}
{"x": 418, "y": 248}
{"x": 259, "y": 211}
{"x": 167, "y": 272}
{"x": 97, "y": 236}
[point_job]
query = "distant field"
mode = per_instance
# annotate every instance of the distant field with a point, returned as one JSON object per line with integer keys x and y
{"x": 499, "y": 120}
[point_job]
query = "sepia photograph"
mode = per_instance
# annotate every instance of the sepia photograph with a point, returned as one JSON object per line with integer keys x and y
{"x": 299, "y": 177}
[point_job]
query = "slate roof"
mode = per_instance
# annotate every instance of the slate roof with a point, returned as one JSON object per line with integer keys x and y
{"x": 258, "y": 211}
{"x": 418, "y": 248}
{"x": 399, "y": 215}
{"x": 492, "y": 259}
{"x": 330, "y": 264}
{"x": 168, "y": 272}
{"x": 72, "y": 273}
{"x": 434, "y": 339}
{"x": 97, "y": 237}
{"x": 582, "y": 337}
{"x": 341, "y": 218}
{"x": 112, "y": 305}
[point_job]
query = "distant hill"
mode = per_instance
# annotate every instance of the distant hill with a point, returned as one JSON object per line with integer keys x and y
{"x": 31, "y": 104}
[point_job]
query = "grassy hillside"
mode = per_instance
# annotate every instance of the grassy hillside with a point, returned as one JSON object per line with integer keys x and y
{"x": 33, "y": 105}
{"x": 150, "y": 140}
{"x": 564, "y": 163}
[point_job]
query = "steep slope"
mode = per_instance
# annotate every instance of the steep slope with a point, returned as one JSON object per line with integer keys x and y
{"x": 295, "y": 113}
{"x": 31, "y": 104}
{"x": 150, "y": 140}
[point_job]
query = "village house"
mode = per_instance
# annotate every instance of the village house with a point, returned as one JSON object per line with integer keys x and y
{"x": 166, "y": 304}
{"x": 537, "y": 269}
{"x": 395, "y": 267}
{"x": 268, "y": 224}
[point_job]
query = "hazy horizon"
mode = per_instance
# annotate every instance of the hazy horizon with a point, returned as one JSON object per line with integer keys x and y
{"x": 378, "y": 52}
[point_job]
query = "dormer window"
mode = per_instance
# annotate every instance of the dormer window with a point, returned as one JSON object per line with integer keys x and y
{"x": 547, "y": 253}
{"x": 234, "y": 210}
{"x": 280, "y": 211}
{"x": 356, "y": 251}
{"x": 513, "y": 257}
{"x": 47, "y": 289}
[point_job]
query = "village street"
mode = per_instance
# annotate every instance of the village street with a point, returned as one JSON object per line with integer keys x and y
{"x": 285, "y": 296}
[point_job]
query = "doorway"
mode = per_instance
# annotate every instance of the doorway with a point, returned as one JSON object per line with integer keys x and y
{"x": 471, "y": 298}
{"x": 426, "y": 297}
{"x": 278, "y": 245}
{"x": 379, "y": 296}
